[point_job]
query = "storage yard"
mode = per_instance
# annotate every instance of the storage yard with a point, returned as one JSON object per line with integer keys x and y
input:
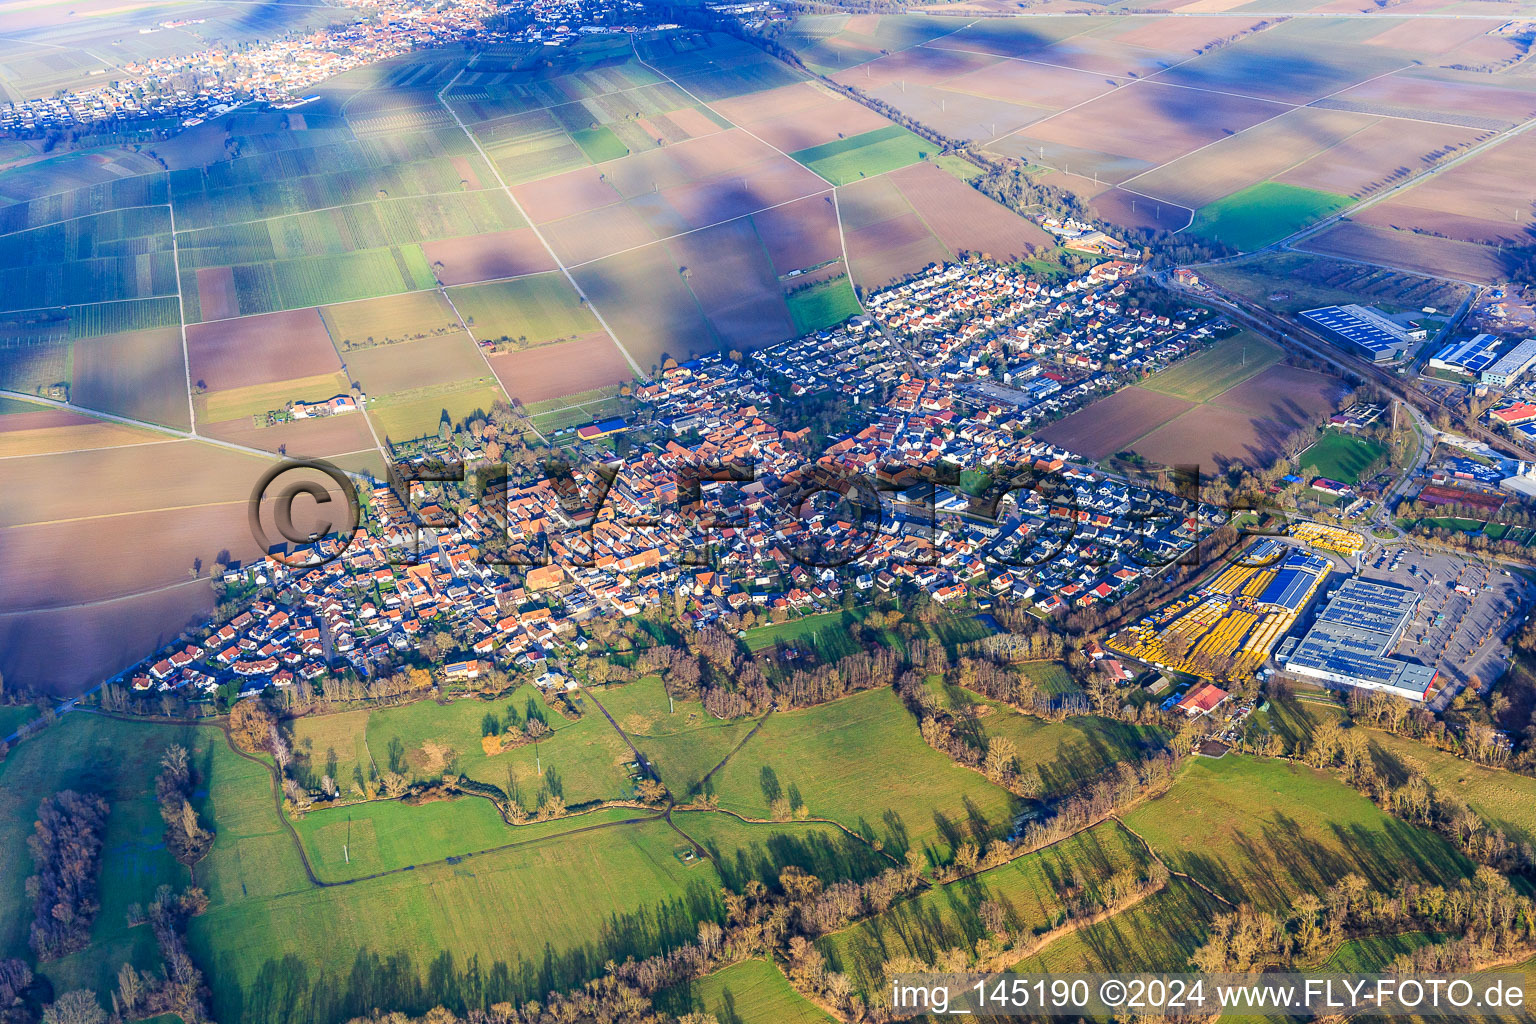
{"x": 1227, "y": 628}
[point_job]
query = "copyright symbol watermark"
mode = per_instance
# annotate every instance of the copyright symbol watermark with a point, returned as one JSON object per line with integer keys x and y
{"x": 320, "y": 532}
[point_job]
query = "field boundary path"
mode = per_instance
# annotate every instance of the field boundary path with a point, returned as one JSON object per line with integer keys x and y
{"x": 836, "y": 209}
{"x": 507, "y": 189}
{"x": 1157, "y": 859}
{"x": 171, "y": 433}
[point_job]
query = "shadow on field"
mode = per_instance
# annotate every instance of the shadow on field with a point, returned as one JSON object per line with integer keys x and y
{"x": 291, "y": 990}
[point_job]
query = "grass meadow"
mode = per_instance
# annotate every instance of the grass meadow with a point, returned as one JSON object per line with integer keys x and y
{"x": 839, "y": 760}
{"x": 1505, "y": 800}
{"x": 360, "y": 840}
{"x": 1262, "y": 831}
{"x": 545, "y": 914}
{"x": 1157, "y": 934}
{"x": 750, "y": 992}
{"x": 119, "y": 761}
{"x": 746, "y": 851}
{"x": 1034, "y": 890}
{"x": 682, "y": 745}
{"x": 824, "y": 304}
{"x": 15, "y": 716}
{"x": 581, "y": 761}
{"x": 1061, "y": 755}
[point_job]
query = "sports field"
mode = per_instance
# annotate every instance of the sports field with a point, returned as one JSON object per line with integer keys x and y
{"x": 1262, "y": 214}
{"x": 865, "y": 155}
{"x": 824, "y": 304}
{"x": 1229, "y": 362}
{"x": 1341, "y": 456}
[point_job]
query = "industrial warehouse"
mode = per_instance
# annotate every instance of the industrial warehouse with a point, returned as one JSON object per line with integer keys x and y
{"x": 1352, "y": 639}
{"x": 1366, "y": 331}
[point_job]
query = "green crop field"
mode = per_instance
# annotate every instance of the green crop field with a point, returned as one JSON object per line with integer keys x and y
{"x": 750, "y": 992}
{"x": 837, "y": 760}
{"x": 543, "y": 308}
{"x": 414, "y": 415}
{"x": 682, "y": 746}
{"x": 1031, "y": 889}
{"x": 1226, "y": 364}
{"x": 1262, "y": 214}
{"x": 865, "y": 155}
{"x": 1341, "y": 456}
{"x": 237, "y": 403}
{"x": 600, "y": 144}
{"x": 1261, "y": 831}
{"x": 824, "y": 304}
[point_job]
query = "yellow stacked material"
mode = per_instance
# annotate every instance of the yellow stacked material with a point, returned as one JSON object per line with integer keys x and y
{"x": 1261, "y": 578}
{"x": 1329, "y": 538}
{"x": 1230, "y": 580}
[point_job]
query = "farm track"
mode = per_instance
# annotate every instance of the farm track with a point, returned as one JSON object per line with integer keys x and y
{"x": 628, "y": 357}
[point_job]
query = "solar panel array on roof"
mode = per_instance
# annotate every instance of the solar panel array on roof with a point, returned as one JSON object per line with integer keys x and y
{"x": 1352, "y": 639}
{"x": 1471, "y": 356}
{"x": 1295, "y": 580}
{"x": 1365, "y": 329}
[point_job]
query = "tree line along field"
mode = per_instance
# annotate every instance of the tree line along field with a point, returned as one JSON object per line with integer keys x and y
{"x": 1293, "y": 281}
{"x": 447, "y": 875}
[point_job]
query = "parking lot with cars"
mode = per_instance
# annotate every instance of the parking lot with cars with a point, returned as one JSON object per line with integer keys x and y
{"x": 1467, "y": 610}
